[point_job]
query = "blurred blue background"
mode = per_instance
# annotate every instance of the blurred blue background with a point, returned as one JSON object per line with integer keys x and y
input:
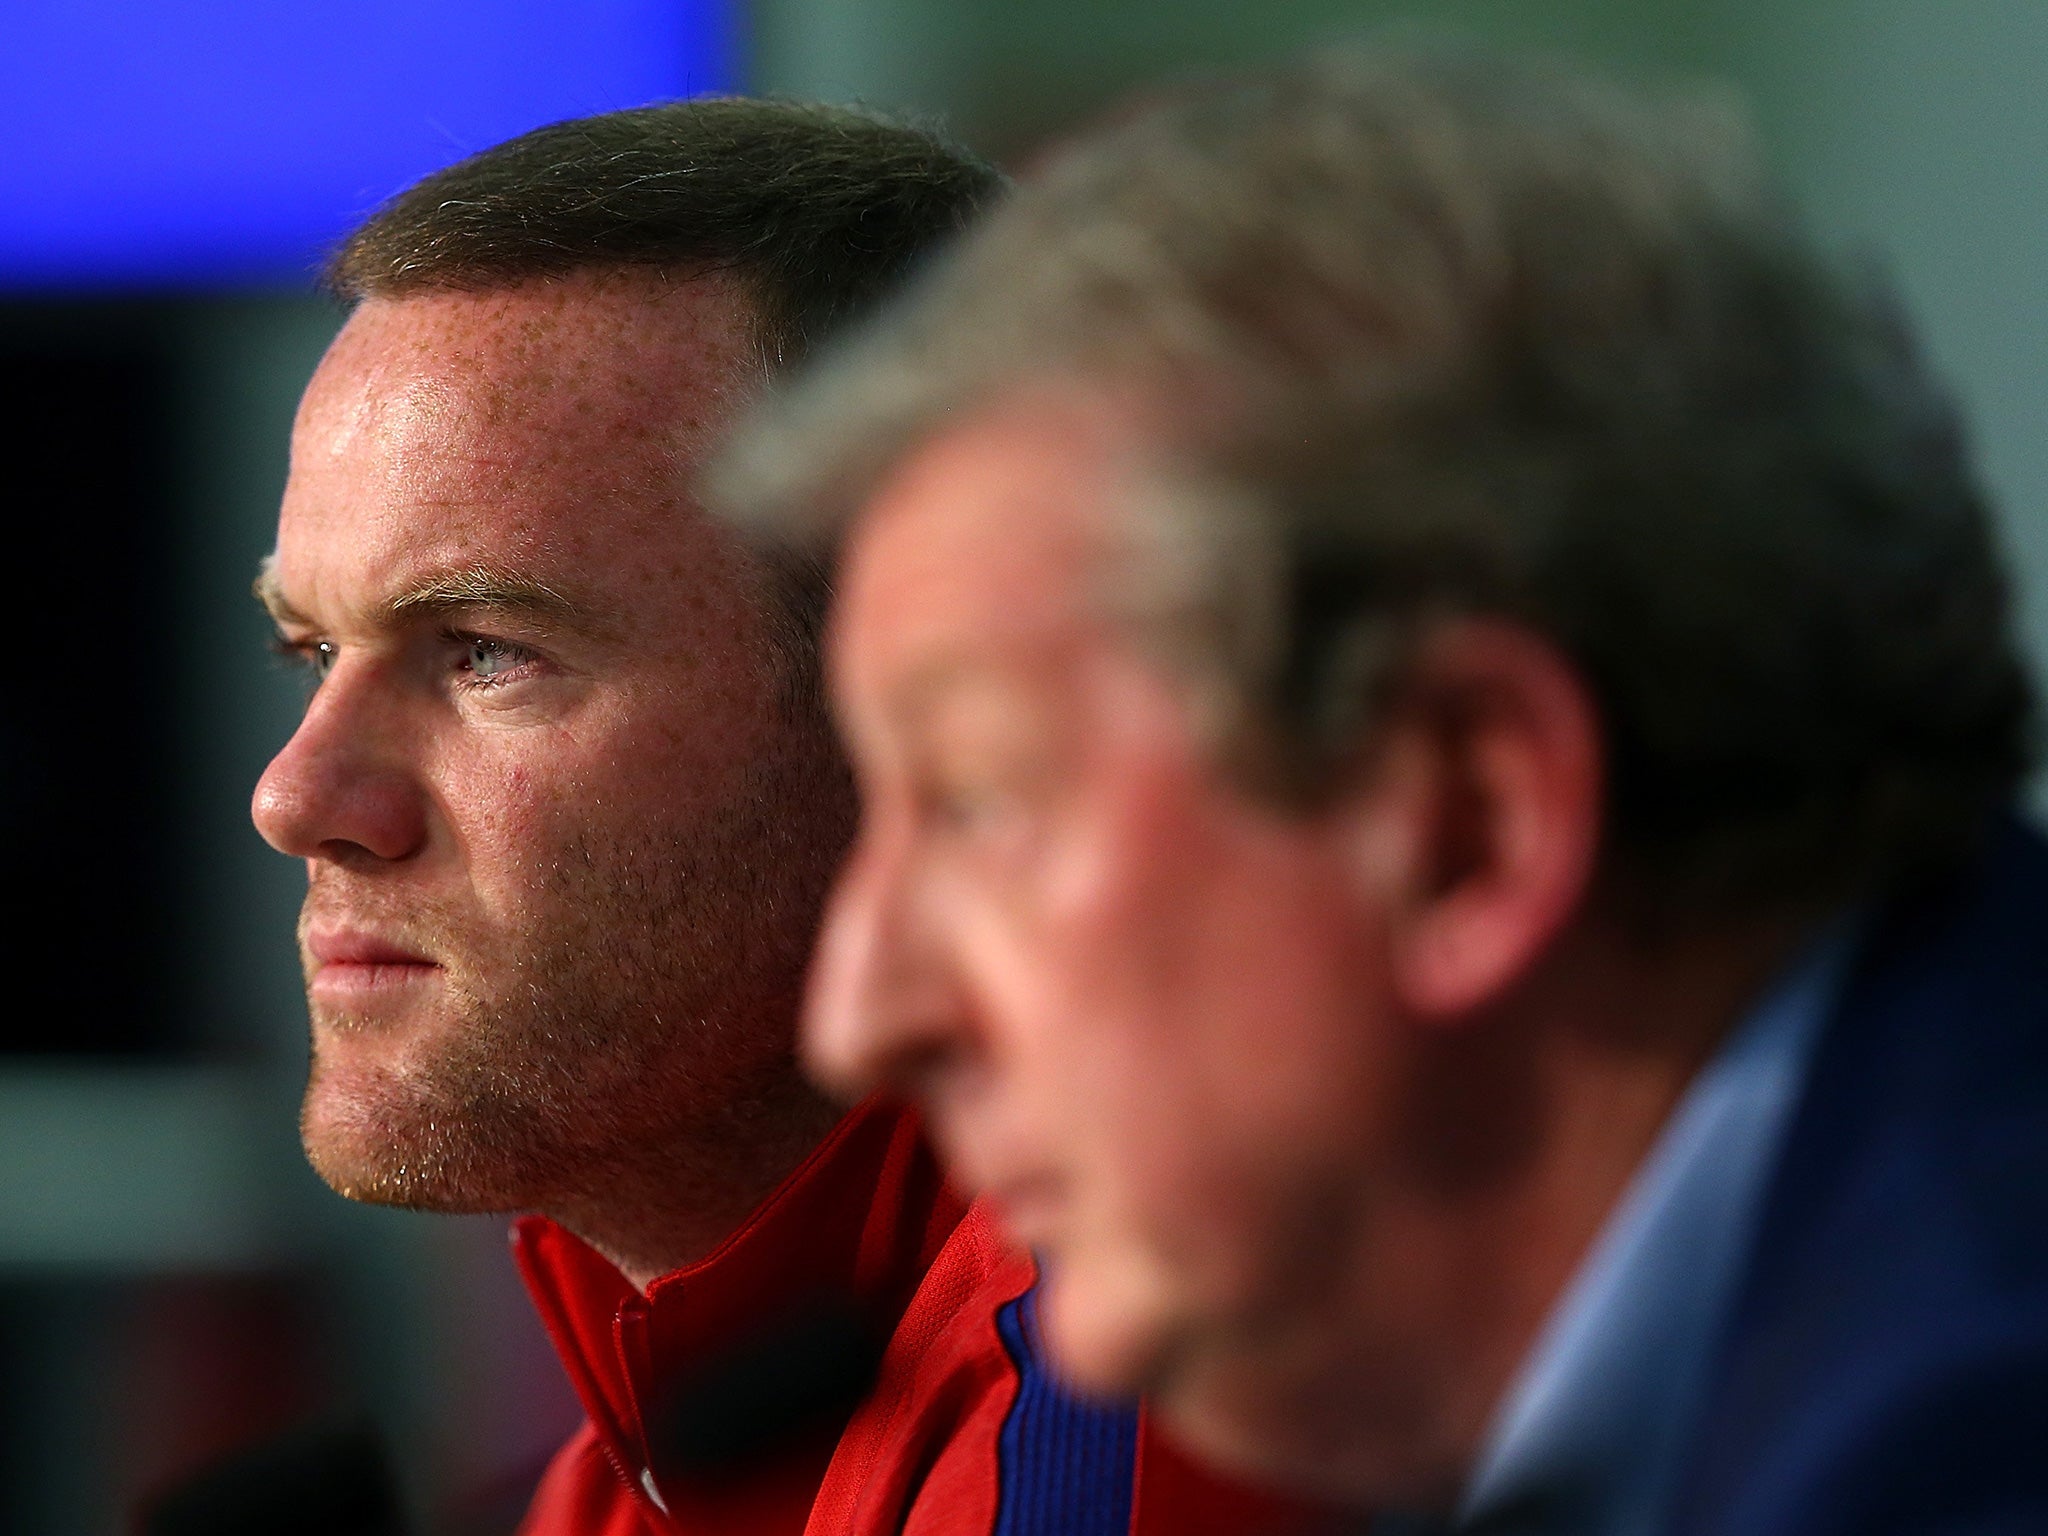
{"x": 205, "y": 142}
{"x": 172, "y": 1279}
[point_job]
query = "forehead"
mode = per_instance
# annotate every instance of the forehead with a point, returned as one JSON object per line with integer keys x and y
{"x": 992, "y": 536}
{"x": 550, "y": 421}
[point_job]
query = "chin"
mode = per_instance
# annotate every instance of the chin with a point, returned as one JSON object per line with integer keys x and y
{"x": 1106, "y": 1328}
{"x": 373, "y": 1141}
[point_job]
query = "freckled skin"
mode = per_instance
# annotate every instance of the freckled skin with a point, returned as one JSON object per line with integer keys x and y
{"x": 614, "y": 853}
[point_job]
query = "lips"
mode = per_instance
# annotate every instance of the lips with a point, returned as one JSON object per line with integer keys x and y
{"x": 1029, "y": 1207}
{"x": 350, "y": 946}
{"x": 356, "y": 968}
{"x": 1027, "y": 1194}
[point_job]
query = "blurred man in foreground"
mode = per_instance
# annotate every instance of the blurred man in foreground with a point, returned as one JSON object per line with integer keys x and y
{"x": 1436, "y": 707}
{"x": 568, "y": 802}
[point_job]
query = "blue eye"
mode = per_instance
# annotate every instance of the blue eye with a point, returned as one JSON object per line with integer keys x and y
{"x": 487, "y": 659}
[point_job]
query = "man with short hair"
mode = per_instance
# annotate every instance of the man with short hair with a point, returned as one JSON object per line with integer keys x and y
{"x": 1435, "y": 704}
{"x": 568, "y": 803}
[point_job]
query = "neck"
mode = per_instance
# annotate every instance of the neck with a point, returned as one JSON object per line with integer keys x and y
{"x": 1589, "y": 1065}
{"x": 1508, "y": 1142}
{"x": 682, "y": 1196}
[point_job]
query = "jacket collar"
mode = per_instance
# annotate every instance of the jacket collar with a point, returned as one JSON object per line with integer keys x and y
{"x": 861, "y": 1218}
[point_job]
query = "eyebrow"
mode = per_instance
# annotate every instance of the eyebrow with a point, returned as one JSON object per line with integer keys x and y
{"x": 270, "y": 593}
{"x": 927, "y": 690}
{"x": 471, "y": 590}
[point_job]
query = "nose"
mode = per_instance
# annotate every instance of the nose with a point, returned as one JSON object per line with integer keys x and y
{"x": 885, "y": 1007}
{"x": 339, "y": 789}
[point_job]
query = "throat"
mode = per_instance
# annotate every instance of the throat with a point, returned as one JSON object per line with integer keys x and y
{"x": 674, "y": 1202}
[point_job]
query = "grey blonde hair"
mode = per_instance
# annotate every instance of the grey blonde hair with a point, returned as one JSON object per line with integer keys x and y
{"x": 1419, "y": 335}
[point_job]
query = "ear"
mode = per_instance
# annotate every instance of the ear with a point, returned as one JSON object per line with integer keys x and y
{"x": 1478, "y": 822}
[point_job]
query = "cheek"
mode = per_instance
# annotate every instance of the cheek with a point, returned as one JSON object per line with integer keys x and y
{"x": 1225, "y": 1069}
{"x": 516, "y": 806}
{"x": 1082, "y": 994}
{"x": 495, "y": 796}
{"x": 627, "y": 765}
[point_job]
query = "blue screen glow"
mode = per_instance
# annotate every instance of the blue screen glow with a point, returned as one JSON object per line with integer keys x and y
{"x": 208, "y": 142}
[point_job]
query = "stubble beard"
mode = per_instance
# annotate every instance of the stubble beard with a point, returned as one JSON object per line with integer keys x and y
{"x": 643, "y": 1006}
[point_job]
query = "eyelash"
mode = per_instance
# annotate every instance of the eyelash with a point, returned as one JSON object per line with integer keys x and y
{"x": 310, "y": 655}
{"x": 306, "y": 655}
{"x": 518, "y": 656}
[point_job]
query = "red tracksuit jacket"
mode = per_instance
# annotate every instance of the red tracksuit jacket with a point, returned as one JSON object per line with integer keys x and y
{"x": 965, "y": 1432}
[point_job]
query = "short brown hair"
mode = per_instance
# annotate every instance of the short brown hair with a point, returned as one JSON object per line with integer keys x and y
{"x": 1461, "y": 335}
{"x": 818, "y": 210}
